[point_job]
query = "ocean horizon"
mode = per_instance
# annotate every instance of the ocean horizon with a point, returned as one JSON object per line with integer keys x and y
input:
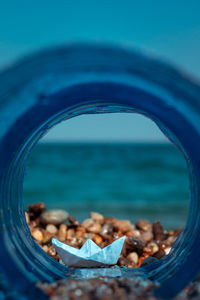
{"x": 121, "y": 179}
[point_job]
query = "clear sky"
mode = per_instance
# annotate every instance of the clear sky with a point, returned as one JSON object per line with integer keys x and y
{"x": 169, "y": 29}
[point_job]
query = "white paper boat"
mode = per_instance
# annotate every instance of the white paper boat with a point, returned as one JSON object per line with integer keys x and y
{"x": 90, "y": 255}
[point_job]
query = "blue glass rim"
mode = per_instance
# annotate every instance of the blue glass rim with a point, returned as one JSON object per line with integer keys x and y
{"x": 65, "y": 82}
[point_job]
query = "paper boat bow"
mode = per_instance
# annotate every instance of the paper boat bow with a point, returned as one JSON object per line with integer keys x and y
{"x": 90, "y": 255}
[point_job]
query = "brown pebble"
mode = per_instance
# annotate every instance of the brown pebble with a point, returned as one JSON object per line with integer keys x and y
{"x": 107, "y": 229}
{"x": 62, "y": 232}
{"x": 70, "y": 233}
{"x": 97, "y": 239}
{"x": 45, "y": 248}
{"x": 88, "y": 236}
{"x": 159, "y": 254}
{"x": 123, "y": 261}
{"x": 51, "y": 229}
{"x": 151, "y": 248}
{"x": 158, "y": 231}
{"x": 97, "y": 217}
{"x": 73, "y": 221}
{"x": 37, "y": 209}
{"x": 144, "y": 225}
{"x": 37, "y": 235}
{"x": 147, "y": 236}
{"x": 91, "y": 226}
{"x": 133, "y": 257}
{"x": 80, "y": 231}
{"x": 123, "y": 225}
{"x": 47, "y": 237}
{"x": 52, "y": 251}
{"x": 135, "y": 244}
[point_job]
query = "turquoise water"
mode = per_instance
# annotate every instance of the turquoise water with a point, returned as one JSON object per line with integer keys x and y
{"x": 128, "y": 181}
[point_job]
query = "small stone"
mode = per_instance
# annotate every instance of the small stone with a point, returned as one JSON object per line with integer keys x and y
{"x": 97, "y": 217}
{"x": 47, "y": 237}
{"x": 151, "y": 248}
{"x": 70, "y": 233}
{"x": 123, "y": 261}
{"x": 159, "y": 254}
{"x": 107, "y": 229}
{"x": 88, "y": 236}
{"x": 133, "y": 257}
{"x": 123, "y": 225}
{"x": 97, "y": 239}
{"x": 144, "y": 225}
{"x": 37, "y": 235}
{"x": 135, "y": 244}
{"x": 158, "y": 231}
{"x": 73, "y": 221}
{"x": 91, "y": 226}
{"x": 167, "y": 250}
{"x": 37, "y": 209}
{"x": 80, "y": 231}
{"x": 45, "y": 248}
{"x": 51, "y": 229}
{"x": 54, "y": 216}
{"x": 147, "y": 236}
{"x": 52, "y": 252}
{"x": 62, "y": 232}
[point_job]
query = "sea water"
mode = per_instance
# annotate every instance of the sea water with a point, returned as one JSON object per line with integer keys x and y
{"x": 125, "y": 180}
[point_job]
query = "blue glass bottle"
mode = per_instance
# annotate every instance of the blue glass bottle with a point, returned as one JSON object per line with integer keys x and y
{"x": 64, "y": 82}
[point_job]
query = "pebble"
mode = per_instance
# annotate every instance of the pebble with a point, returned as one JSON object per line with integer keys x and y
{"x": 167, "y": 250}
{"x": 151, "y": 248}
{"x": 62, "y": 232}
{"x": 37, "y": 235}
{"x": 54, "y": 216}
{"x": 45, "y": 248}
{"x": 133, "y": 257}
{"x": 144, "y": 225}
{"x": 37, "y": 208}
{"x": 70, "y": 233}
{"x": 97, "y": 239}
{"x": 133, "y": 233}
{"x": 91, "y": 226}
{"x": 159, "y": 254}
{"x": 147, "y": 236}
{"x": 47, "y": 237}
{"x": 135, "y": 244}
{"x": 123, "y": 225}
{"x": 73, "y": 221}
{"x": 123, "y": 261}
{"x": 52, "y": 252}
{"x": 97, "y": 217}
{"x": 158, "y": 231}
{"x": 52, "y": 229}
{"x": 107, "y": 229}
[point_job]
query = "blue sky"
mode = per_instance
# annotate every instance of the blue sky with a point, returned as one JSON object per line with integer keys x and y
{"x": 168, "y": 29}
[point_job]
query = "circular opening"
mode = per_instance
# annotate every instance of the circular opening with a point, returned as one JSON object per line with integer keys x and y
{"x": 44, "y": 262}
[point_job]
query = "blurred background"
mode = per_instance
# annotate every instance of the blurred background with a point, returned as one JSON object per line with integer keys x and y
{"x": 118, "y": 164}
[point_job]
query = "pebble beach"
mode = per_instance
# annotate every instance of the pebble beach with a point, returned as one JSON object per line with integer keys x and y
{"x": 145, "y": 243}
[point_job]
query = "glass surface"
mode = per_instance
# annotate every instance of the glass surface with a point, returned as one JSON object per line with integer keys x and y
{"x": 65, "y": 82}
